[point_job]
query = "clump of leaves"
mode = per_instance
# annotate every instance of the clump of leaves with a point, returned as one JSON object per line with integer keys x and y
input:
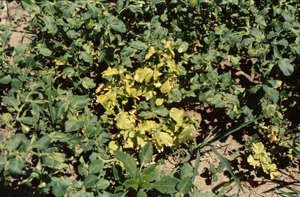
{"x": 261, "y": 159}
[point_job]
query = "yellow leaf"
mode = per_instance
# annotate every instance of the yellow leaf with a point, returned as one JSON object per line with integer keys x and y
{"x": 141, "y": 140}
{"x": 252, "y": 162}
{"x": 123, "y": 121}
{"x": 258, "y": 148}
{"x": 147, "y": 126}
{"x": 172, "y": 65}
{"x": 151, "y": 52}
{"x": 143, "y": 74}
{"x": 103, "y": 99}
{"x": 128, "y": 143}
{"x": 156, "y": 74}
{"x": 110, "y": 71}
{"x": 164, "y": 138}
{"x": 177, "y": 115}
{"x": 148, "y": 95}
{"x": 166, "y": 87}
{"x": 159, "y": 101}
{"x": 185, "y": 134}
{"x": 273, "y": 171}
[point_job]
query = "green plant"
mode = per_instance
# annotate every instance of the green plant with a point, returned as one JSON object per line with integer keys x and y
{"x": 215, "y": 170}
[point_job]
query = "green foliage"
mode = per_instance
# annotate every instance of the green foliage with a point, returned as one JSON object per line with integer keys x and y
{"x": 103, "y": 85}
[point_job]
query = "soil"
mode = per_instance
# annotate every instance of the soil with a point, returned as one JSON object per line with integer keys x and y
{"x": 251, "y": 182}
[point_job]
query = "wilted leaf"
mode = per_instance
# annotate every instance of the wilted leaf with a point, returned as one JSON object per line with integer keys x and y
{"x": 110, "y": 71}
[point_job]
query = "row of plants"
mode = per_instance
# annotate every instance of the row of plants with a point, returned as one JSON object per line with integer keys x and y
{"x": 104, "y": 85}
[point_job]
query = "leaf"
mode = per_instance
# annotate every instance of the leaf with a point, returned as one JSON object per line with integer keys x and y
{"x": 15, "y": 165}
{"x": 96, "y": 166}
{"x": 21, "y": 48}
{"x": 50, "y": 25}
{"x": 166, "y": 185}
{"x": 227, "y": 165}
{"x": 45, "y": 52}
{"x": 147, "y": 114}
{"x": 30, "y": 4}
{"x": 143, "y": 74}
{"x": 5, "y": 80}
{"x": 145, "y": 154}
{"x": 183, "y": 47}
{"x": 185, "y": 134}
{"x": 88, "y": 83}
{"x": 128, "y": 161}
{"x": 41, "y": 144}
{"x": 133, "y": 183}
{"x": 11, "y": 101}
{"x": 166, "y": 87}
{"x": 79, "y": 102}
{"x": 60, "y": 157}
{"x": 127, "y": 51}
{"x": 116, "y": 24}
{"x": 138, "y": 45}
{"x": 110, "y": 71}
{"x": 6, "y": 37}
{"x": 90, "y": 181}
{"x": 102, "y": 184}
{"x": 186, "y": 171}
{"x": 123, "y": 121}
{"x": 285, "y": 66}
{"x": 162, "y": 111}
{"x": 69, "y": 11}
{"x": 185, "y": 185}
{"x": 164, "y": 138}
{"x": 177, "y": 115}
{"x": 176, "y": 95}
{"x": 59, "y": 187}
{"x": 86, "y": 57}
{"x": 73, "y": 125}
{"x": 93, "y": 9}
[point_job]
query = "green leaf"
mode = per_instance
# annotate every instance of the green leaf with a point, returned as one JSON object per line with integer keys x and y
{"x": 50, "y": 25}
{"x": 96, "y": 166}
{"x": 127, "y": 51}
{"x": 5, "y": 80}
{"x": 86, "y": 57}
{"x": 133, "y": 183}
{"x": 16, "y": 84}
{"x": 79, "y": 102}
{"x": 102, "y": 184}
{"x": 93, "y": 10}
{"x": 68, "y": 12}
{"x": 61, "y": 109}
{"x": 116, "y": 24}
{"x": 185, "y": 185}
{"x": 285, "y": 66}
{"x": 15, "y": 165}
{"x": 183, "y": 47}
{"x": 176, "y": 95}
{"x": 166, "y": 185}
{"x": 6, "y": 117}
{"x": 21, "y": 48}
{"x": 128, "y": 161}
{"x": 59, "y": 187}
{"x": 60, "y": 157}
{"x": 150, "y": 174}
{"x": 141, "y": 193}
{"x": 145, "y": 154}
{"x": 162, "y": 111}
{"x": 138, "y": 45}
{"x": 185, "y": 134}
{"x": 88, "y": 83}
{"x": 45, "y": 52}
{"x": 177, "y": 115}
{"x": 31, "y": 5}
{"x": 73, "y": 125}
{"x": 11, "y": 101}
{"x": 41, "y": 144}
{"x": 6, "y": 37}
{"x": 90, "y": 181}
{"x": 186, "y": 171}
{"x": 147, "y": 114}
{"x": 227, "y": 165}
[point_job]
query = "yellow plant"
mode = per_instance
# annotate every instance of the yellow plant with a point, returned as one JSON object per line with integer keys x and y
{"x": 262, "y": 159}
